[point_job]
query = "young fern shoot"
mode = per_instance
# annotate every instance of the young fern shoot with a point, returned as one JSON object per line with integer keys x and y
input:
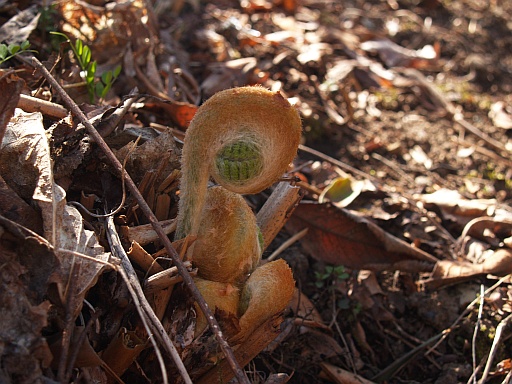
{"x": 244, "y": 138}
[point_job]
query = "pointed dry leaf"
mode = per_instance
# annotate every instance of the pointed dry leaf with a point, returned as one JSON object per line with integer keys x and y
{"x": 14, "y": 208}
{"x": 158, "y": 151}
{"x": 181, "y": 113}
{"x": 339, "y": 237}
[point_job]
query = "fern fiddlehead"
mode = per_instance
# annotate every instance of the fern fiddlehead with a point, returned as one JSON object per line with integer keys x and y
{"x": 242, "y": 137}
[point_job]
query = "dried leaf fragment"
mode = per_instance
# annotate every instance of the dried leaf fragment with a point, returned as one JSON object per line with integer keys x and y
{"x": 339, "y": 237}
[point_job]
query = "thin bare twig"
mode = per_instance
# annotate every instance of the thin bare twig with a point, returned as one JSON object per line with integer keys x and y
{"x": 212, "y": 322}
{"x": 340, "y": 164}
{"x": 142, "y": 305}
{"x": 287, "y": 243}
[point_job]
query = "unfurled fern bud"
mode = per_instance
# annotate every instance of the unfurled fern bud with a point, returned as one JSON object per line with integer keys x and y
{"x": 223, "y": 296}
{"x": 244, "y": 138}
{"x": 266, "y": 293}
{"x": 227, "y": 248}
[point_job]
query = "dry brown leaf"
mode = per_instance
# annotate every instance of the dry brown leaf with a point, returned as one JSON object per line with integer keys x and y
{"x": 452, "y": 203}
{"x": 86, "y": 357}
{"x": 493, "y": 220}
{"x": 304, "y": 308}
{"x": 27, "y": 263}
{"x": 339, "y": 237}
{"x": 149, "y": 156}
{"x": 321, "y": 346}
{"x": 229, "y": 74}
{"x": 14, "y": 208}
{"x": 20, "y": 26}
{"x": 448, "y": 272}
{"x": 26, "y": 165}
{"x": 10, "y": 88}
{"x": 24, "y": 155}
{"x": 181, "y": 113}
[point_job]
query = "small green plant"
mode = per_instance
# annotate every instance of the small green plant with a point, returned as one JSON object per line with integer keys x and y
{"x": 7, "y": 52}
{"x": 330, "y": 274}
{"x": 96, "y": 86}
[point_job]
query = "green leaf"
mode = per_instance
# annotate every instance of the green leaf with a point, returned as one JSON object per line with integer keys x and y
{"x": 117, "y": 71}
{"x": 79, "y": 47}
{"x": 106, "y": 78}
{"x": 105, "y": 90}
{"x": 89, "y": 77}
{"x": 99, "y": 89}
{"x": 91, "y": 70}
{"x": 3, "y": 51}
{"x": 25, "y": 45}
{"x": 86, "y": 55}
{"x": 13, "y": 49}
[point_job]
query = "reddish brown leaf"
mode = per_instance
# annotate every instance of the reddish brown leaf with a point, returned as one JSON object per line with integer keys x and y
{"x": 337, "y": 236}
{"x": 181, "y": 113}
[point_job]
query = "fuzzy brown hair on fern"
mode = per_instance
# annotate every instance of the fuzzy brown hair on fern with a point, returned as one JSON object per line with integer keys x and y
{"x": 266, "y": 293}
{"x": 227, "y": 248}
{"x": 244, "y": 138}
{"x": 218, "y": 296}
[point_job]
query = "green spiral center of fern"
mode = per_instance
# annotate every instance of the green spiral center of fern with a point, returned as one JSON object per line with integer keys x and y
{"x": 239, "y": 161}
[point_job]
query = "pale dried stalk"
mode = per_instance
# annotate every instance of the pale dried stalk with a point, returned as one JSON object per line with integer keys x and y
{"x": 277, "y": 209}
{"x": 47, "y": 108}
{"x": 145, "y": 234}
{"x": 163, "y": 280}
{"x": 143, "y": 259}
